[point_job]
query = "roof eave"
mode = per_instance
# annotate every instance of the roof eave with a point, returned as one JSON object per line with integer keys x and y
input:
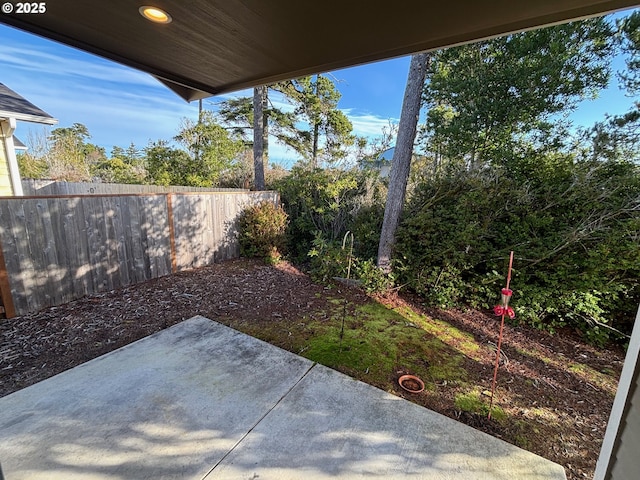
{"x": 29, "y": 118}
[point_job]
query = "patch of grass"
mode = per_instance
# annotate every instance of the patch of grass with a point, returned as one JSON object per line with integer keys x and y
{"x": 473, "y": 402}
{"x": 445, "y": 364}
{"x": 378, "y": 341}
{"x": 469, "y": 402}
{"x": 537, "y": 355}
{"x": 522, "y": 433}
{"x": 462, "y": 341}
{"x": 544, "y": 414}
{"x": 357, "y": 354}
{"x": 336, "y": 301}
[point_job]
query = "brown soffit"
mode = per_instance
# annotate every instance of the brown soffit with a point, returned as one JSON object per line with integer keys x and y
{"x": 218, "y": 46}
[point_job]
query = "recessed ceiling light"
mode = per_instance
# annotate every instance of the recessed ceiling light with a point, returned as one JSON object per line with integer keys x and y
{"x": 155, "y": 14}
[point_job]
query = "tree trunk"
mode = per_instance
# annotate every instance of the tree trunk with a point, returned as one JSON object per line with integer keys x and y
{"x": 314, "y": 154}
{"x": 401, "y": 162}
{"x": 265, "y": 129}
{"x": 316, "y": 132}
{"x": 258, "y": 136}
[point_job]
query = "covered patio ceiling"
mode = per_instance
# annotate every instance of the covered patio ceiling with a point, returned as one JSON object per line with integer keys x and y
{"x": 218, "y": 46}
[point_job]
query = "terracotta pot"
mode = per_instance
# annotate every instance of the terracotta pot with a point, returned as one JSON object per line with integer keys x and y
{"x": 411, "y": 380}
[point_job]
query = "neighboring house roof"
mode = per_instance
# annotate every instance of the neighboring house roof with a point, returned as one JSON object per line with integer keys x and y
{"x": 383, "y": 161}
{"x": 17, "y": 144}
{"x": 218, "y": 46}
{"x": 387, "y": 154}
{"x": 13, "y": 105}
{"x": 380, "y": 162}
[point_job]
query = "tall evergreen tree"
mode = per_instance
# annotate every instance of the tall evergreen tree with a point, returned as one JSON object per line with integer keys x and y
{"x": 481, "y": 97}
{"x": 315, "y": 99}
{"x": 316, "y": 128}
{"x": 260, "y": 135}
{"x": 401, "y": 163}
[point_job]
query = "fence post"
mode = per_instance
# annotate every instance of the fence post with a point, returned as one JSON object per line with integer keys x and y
{"x": 172, "y": 233}
{"x": 5, "y": 288}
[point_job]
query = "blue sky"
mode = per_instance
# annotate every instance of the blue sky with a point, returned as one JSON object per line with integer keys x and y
{"x": 120, "y": 105}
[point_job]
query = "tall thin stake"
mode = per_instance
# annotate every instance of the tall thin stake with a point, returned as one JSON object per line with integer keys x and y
{"x": 344, "y": 307}
{"x": 495, "y": 370}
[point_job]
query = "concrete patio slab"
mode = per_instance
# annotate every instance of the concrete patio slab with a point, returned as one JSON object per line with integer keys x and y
{"x": 200, "y": 400}
{"x": 332, "y": 426}
{"x": 166, "y": 407}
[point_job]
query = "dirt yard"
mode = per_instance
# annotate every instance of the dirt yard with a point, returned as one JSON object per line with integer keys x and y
{"x": 554, "y": 392}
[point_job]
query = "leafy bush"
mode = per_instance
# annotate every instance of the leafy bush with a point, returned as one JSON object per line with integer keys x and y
{"x": 327, "y": 259}
{"x": 326, "y": 203}
{"x": 262, "y": 231}
{"x": 366, "y": 226}
{"x": 373, "y": 279}
{"x": 31, "y": 166}
{"x": 314, "y": 201}
{"x": 575, "y": 236}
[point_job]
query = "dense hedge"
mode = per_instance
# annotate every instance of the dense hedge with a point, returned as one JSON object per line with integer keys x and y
{"x": 574, "y": 228}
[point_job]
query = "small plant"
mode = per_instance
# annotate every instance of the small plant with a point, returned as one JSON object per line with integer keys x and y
{"x": 262, "y": 232}
{"x": 327, "y": 259}
{"x": 372, "y": 278}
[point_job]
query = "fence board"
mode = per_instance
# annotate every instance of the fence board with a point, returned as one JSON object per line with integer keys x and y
{"x": 5, "y": 288}
{"x": 115, "y": 270}
{"x": 158, "y": 243}
{"x": 25, "y": 262}
{"x": 182, "y": 218}
{"x": 133, "y": 241}
{"x": 164, "y": 236}
{"x": 192, "y": 235}
{"x": 57, "y": 278}
{"x": 76, "y": 235}
{"x": 10, "y": 237}
{"x": 57, "y": 249}
{"x": 120, "y": 243}
{"x": 97, "y": 248}
{"x": 223, "y": 212}
{"x": 213, "y": 217}
{"x": 35, "y": 238}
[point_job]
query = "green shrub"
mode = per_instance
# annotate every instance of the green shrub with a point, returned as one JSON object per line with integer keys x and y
{"x": 31, "y": 166}
{"x": 261, "y": 230}
{"x": 366, "y": 226}
{"x": 575, "y": 237}
{"x": 326, "y": 203}
{"x": 372, "y": 279}
{"x": 327, "y": 259}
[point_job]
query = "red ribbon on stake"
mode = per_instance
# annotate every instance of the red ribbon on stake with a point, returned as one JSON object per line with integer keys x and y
{"x": 502, "y": 310}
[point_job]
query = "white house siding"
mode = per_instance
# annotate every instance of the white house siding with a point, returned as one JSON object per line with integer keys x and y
{"x": 619, "y": 457}
{"x": 5, "y": 178}
{"x": 625, "y": 463}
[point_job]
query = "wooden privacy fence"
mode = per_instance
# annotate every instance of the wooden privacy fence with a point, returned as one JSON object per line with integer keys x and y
{"x": 32, "y": 187}
{"x": 60, "y": 248}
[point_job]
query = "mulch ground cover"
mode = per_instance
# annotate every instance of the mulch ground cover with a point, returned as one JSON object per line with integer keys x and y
{"x": 555, "y": 391}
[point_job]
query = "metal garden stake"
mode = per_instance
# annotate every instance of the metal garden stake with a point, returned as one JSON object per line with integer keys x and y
{"x": 502, "y": 310}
